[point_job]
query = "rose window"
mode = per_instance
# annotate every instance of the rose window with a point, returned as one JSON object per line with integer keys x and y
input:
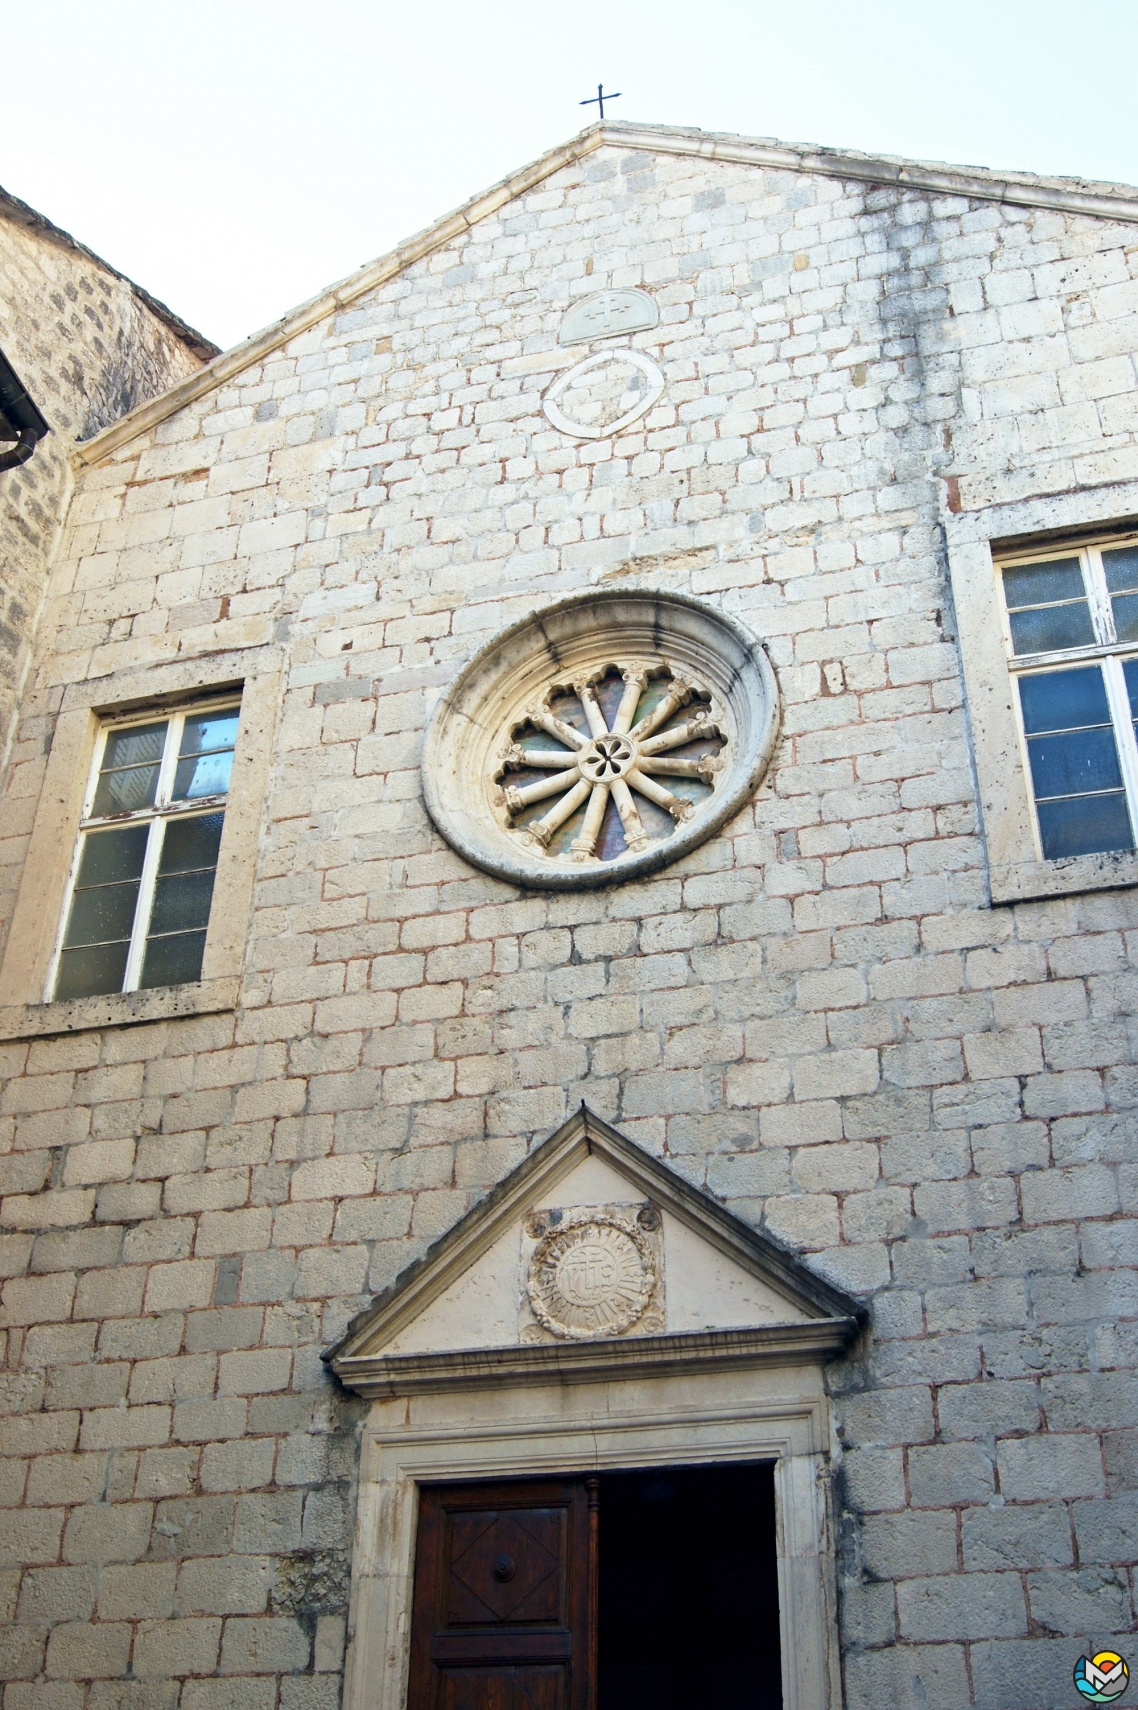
{"x": 611, "y": 763}
{"x": 600, "y": 739}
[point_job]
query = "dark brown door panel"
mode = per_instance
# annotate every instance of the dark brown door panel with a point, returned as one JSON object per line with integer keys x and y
{"x": 501, "y": 1609}
{"x": 503, "y": 1689}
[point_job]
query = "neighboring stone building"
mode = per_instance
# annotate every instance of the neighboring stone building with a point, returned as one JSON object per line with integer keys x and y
{"x": 88, "y": 345}
{"x": 794, "y": 837}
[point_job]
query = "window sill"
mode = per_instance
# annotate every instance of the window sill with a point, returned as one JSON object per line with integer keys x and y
{"x": 1023, "y": 880}
{"x": 117, "y": 1009}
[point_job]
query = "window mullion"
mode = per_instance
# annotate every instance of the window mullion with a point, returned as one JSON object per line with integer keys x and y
{"x": 169, "y": 759}
{"x": 145, "y": 903}
{"x": 1119, "y": 702}
{"x": 1102, "y": 612}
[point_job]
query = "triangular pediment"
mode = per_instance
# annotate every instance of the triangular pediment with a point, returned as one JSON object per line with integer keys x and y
{"x": 588, "y": 1248}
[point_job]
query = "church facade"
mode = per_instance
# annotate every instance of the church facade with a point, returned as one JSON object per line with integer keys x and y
{"x": 570, "y": 892}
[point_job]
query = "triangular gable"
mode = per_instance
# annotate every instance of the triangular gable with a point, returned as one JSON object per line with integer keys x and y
{"x": 1019, "y": 189}
{"x": 469, "y": 1312}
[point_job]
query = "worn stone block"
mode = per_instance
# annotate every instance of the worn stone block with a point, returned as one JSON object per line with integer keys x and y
{"x": 975, "y": 1605}
{"x": 1061, "y": 1465}
{"x": 1035, "y": 1535}
{"x": 88, "y": 1651}
{"x": 267, "y": 1646}
{"x": 180, "y": 1647}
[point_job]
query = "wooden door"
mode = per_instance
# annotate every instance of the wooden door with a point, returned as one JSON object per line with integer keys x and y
{"x": 501, "y": 1612}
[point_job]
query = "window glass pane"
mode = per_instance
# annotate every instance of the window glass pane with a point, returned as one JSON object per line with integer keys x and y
{"x": 91, "y": 972}
{"x": 182, "y": 895}
{"x": 174, "y": 960}
{"x": 191, "y": 843}
{"x": 1047, "y": 606}
{"x": 106, "y": 890}
{"x": 1084, "y": 825}
{"x": 1044, "y": 584}
{"x": 128, "y": 777}
{"x": 206, "y": 757}
{"x": 99, "y": 925}
{"x": 1074, "y": 763}
{"x": 202, "y": 775}
{"x": 208, "y": 731}
{"x": 1064, "y": 700}
{"x": 1050, "y": 628}
{"x": 1121, "y": 567}
{"x": 1073, "y": 756}
{"x": 110, "y": 857}
{"x": 100, "y": 915}
{"x": 181, "y": 901}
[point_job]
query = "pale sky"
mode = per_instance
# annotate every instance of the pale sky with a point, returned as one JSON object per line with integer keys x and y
{"x": 235, "y": 156}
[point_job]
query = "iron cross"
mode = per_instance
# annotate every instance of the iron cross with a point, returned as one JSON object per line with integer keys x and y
{"x": 599, "y": 99}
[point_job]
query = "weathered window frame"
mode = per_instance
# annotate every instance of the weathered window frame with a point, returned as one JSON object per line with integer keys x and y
{"x": 979, "y": 544}
{"x": 156, "y": 816}
{"x": 253, "y": 675}
{"x": 1106, "y": 651}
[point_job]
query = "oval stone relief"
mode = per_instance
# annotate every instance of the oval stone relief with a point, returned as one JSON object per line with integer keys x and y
{"x": 608, "y": 313}
{"x": 600, "y": 739}
{"x": 604, "y": 394}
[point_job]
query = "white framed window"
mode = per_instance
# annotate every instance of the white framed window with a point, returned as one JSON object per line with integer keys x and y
{"x": 141, "y": 883}
{"x": 1070, "y": 619}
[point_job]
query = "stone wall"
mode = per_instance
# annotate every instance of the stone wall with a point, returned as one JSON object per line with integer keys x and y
{"x": 88, "y": 347}
{"x": 816, "y": 1015}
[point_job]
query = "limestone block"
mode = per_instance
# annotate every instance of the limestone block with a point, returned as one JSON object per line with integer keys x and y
{"x": 264, "y": 1647}
{"x": 88, "y": 1651}
{"x": 184, "y": 1646}
{"x": 982, "y": 1605}
{"x": 197, "y": 1526}
{"x": 142, "y": 1592}
{"x": 237, "y": 1586}
{"x": 1064, "y": 1465}
{"x": 911, "y": 1676}
{"x": 49, "y": 1596}
{"x": 896, "y": 1546}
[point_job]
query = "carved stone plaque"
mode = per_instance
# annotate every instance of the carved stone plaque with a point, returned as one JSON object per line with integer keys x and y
{"x": 607, "y": 313}
{"x": 593, "y": 1273}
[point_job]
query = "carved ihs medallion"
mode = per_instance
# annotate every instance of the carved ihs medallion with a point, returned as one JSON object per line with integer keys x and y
{"x": 594, "y": 1272}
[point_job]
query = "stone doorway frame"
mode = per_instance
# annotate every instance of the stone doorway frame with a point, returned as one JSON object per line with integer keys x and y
{"x": 747, "y": 1412}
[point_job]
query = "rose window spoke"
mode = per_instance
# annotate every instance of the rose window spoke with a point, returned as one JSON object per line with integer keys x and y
{"x": 580, "y": 778}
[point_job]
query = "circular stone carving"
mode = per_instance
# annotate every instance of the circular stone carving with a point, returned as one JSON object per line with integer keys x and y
{"x": 591, "y": 1276}
{"x": 600, "y": 739}
{"x": 604, "y": 394}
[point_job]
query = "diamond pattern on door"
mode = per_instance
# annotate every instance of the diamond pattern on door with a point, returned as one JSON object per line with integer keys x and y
{"x": 504, "y": 1567}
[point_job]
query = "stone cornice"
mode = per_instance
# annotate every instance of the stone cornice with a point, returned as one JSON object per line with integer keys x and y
{"x": 622, "y": 1359}
{"x": 1068, "y": 195}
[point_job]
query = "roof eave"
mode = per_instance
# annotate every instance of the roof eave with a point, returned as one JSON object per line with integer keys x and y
{"x": 31, "y": 219}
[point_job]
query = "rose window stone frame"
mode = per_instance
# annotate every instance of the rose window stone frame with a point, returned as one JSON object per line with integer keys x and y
{"x": 600, "y": 739}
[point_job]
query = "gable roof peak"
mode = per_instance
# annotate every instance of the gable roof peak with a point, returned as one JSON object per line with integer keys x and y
{"x": 1021, "y": 189}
